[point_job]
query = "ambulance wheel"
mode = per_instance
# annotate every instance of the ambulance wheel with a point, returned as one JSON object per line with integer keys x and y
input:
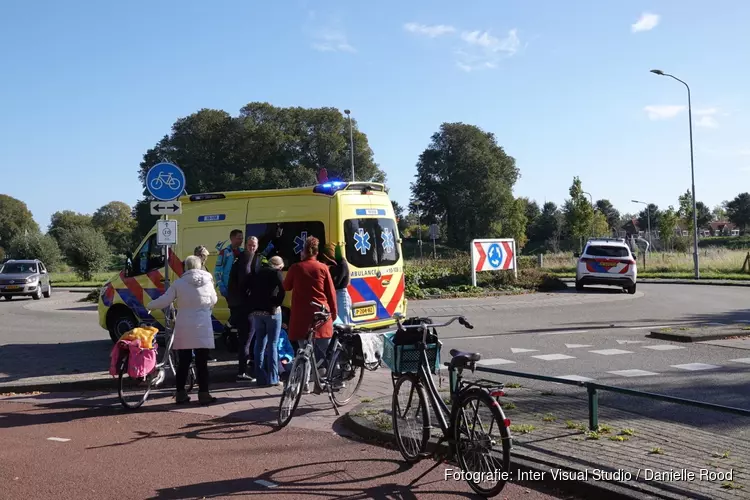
{"x": 121, "y": 322}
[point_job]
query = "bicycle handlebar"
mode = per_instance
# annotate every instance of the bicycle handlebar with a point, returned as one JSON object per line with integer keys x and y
{"x": 461, "y": 320}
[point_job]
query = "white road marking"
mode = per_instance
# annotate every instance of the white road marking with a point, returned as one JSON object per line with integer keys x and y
{"x": 663, "y": 347}
{"x": 576, "y": 346}
{"x": 59, "y": 440}
{"x": 649, "y": 327}
{"x": 495, "y": 361}
{"x": 516, "y": 350}
{"x": 611, "y": 352}
{"x": 578, "y": 378}
{"x": 267, "y": 484}
{"x": 630, "y": 342}
{"x": 553, "y": 357}
{"x": 564, "y": 332}
{"x": 632, "y": 373}
{"x": 468, "y": 338}
{"x": 741, "y": 360}
{"x": 694, "y": 367}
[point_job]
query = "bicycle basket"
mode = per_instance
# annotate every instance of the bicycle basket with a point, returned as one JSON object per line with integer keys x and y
{"x": 405, "y": 358}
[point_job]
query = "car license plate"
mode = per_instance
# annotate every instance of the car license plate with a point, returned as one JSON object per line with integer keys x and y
{"x": 12, "y": 287}
{"x": 363, "y": 311}
{"x": 609, "y": 265}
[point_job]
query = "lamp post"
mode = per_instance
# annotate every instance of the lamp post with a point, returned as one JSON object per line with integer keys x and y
{"x": 592, "y": 213}
{"x": 692, "y": 171}
{"x": 418, "y": 204}
{"x": 648, "y": 218}
{"x": 351, "y": 140}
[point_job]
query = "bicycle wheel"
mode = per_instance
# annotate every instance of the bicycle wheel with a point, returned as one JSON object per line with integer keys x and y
{"x": 132, "y": 392}
{"x": 411, "y": 419}
{"x": 345, "y": 378}
{"x": 482, "y": 441}
{"x": 293, "y": 390}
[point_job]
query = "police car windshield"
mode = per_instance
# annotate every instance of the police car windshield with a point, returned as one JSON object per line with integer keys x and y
{"x": 19, "y": 268}
{"x": 607, "y": 251}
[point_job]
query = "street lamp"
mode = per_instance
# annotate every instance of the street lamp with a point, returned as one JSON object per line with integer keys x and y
{"x": 692, "y": 170}
{"x": 648, "y": 215}
{"x": 351, "y": 140}
{"x": 592, "y": 212}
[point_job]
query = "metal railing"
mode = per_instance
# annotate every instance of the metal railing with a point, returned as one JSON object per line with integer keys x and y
{"x": 592, "y": 388}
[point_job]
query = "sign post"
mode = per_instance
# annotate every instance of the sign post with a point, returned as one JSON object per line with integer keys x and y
{"x": 166, "y": 182}
{"x": 493, "y": 255}
{"x": 434, "y": 235}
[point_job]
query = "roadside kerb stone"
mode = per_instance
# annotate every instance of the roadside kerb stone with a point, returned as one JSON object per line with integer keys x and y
{"x": 701, "y": 333}
{"x": 552, "y": 445}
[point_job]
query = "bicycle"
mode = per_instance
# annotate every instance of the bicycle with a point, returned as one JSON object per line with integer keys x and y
{"x": 340, "y": 371}
{"x": 142, "y": 386}
{"x": 472, "y": 444}
{"x": 159, "y": 182}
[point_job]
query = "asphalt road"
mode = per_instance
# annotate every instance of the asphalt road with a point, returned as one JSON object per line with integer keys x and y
{"x": 54, "y": 451}
{"x": 587, "y": 335}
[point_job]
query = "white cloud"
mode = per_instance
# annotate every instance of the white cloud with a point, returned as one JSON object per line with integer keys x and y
{"x": 331, "y": 40}
{"x": 646, "y": 22}
{"x": 706, "y": 117}
{"x": 429, "y": 31}
{"x": 705, "y": 111}
{"x": 663, "y": 112}
{"x": 482, "y": 50}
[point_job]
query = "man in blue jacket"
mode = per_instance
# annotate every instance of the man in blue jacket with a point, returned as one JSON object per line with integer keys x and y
{"x": 225, "y": 260}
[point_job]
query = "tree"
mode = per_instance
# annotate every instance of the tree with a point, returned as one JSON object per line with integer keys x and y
{"x": 15, "y": 219}
{"x": 610, "y": 213}
{"x": 513, "y": 225}
{"x": 531, "y": 209}
{"x": 87, "y": 251}
{"x": 115, "y": 220}
{"x": 62, "y": 222}
{"x": 399, "y": 211}
{"x": 720, "y": 211}
{"x": 578, "y": 211}
{"x": 704, "y": 214}
{"x": 654, "y": 213}
{"x": 36, "y": 246}
{"x": 547, "y": 229}
{"x": 738, "y": 211}
{"x": 601, "y": 226}
{"x": 686, "y": 212}
{"x": 465, "y": 180}
{"x": 668, "y": 226}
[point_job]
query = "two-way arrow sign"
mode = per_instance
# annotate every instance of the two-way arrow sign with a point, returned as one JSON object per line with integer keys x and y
{"x": 166, "y": 208}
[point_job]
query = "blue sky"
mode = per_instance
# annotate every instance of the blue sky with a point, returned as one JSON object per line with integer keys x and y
{"x": 88, "y": 86}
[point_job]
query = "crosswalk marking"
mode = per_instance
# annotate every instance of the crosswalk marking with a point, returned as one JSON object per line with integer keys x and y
{"x": 576, "y": 346}
{"x": 632, "y": 373}
{"x": 516, "y": 350}
{"x": 611, "y": 352}
{"x": 630, "y": 342}
{"x": 563, "y": 332}
{"x": 553, "y": 357}
{"x": 694, "y": 367}
{"x": 577, "y": 378}
{"x": 59, "y": 440}
{"x": 663, "y": 347}
{"x": 495, "y": 361}
{"x": 741, "y": 360}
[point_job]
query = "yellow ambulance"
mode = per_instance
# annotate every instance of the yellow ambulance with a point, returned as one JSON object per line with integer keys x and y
{"x": 358, "y": 216}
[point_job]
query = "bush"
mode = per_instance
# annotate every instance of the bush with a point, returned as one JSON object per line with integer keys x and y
{"x": 729, "y": 242}
{"x": 36, "y": 246}
{"x": 87, "y": 251}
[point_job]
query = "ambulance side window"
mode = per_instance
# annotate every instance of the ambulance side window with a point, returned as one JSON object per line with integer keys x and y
{"x": 371, "y": 242}
{"x": 148, "y": 258}
{"x": 285, "y": 239}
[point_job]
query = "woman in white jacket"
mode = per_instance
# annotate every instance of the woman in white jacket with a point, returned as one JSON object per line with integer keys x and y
{"x": 193, "y": 331}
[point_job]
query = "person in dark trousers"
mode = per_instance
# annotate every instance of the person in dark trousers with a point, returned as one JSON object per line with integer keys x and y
{"x": 339, "y": 269}
{"x": 266, "y": 296}
{"x": 244, "y": 269}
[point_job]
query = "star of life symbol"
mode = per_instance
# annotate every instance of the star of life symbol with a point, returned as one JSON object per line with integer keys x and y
{"x": 299, "y": 242}
{"x": 388, "y": 243}
{"x": 495, "y": 255}
{"x": 362, "y": 241}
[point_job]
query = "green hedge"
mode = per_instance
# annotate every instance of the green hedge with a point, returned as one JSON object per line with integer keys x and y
{"x": 729, "y": 242}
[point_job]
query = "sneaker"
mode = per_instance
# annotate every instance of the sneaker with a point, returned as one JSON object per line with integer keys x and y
{"x": 244, "y": 377}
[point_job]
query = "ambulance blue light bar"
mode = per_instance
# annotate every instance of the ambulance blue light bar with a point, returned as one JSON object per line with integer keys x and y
{"x": 329, "y": 188}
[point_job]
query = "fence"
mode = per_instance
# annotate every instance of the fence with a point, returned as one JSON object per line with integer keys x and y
{"x": 592, "y": 388}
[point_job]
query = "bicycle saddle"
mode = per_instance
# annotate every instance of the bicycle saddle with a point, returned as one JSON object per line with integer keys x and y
{"x": 460, "y": 358}
{"x": 343, "y": 329}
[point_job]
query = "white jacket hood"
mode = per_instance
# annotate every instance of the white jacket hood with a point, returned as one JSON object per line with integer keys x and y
{"x": 197, "y": 278}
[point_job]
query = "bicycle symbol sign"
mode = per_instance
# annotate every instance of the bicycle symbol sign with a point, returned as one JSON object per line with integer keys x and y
{"x": 165, "y": 181}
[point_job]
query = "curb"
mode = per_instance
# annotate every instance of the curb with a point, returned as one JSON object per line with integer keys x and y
{"x": 676, "y": 337}
{"x": 520, "y": 463}
{"x": 670, "y": 281}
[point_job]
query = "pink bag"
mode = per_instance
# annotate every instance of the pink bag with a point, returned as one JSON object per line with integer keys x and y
{"x": 114, "y": 357}
{"x": 140, "y": 361}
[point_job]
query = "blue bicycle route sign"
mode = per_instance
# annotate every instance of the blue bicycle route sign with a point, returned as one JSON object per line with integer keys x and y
{"x": 165, "y": 181}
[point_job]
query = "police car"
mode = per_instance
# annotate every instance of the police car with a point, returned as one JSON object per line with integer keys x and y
{"x": 606, "y": 261}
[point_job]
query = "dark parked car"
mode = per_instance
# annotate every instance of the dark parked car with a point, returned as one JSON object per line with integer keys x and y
{"x": 24, "y": 278}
